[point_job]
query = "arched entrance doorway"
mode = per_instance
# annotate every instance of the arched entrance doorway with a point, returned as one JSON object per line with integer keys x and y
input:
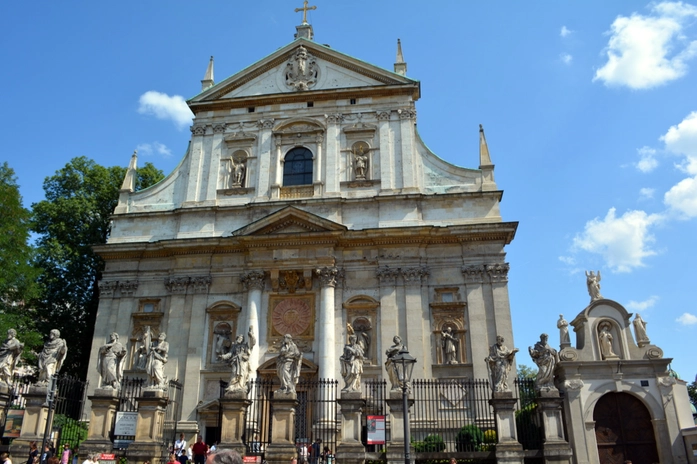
{"x": 623, "y": 430}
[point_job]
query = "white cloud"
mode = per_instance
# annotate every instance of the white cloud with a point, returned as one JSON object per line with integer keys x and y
{"x": 646, "y": 51}
{"x": 565, "y": 32}
{"x": 162, "y": 106}
{"x": 681, "y": 139}
{"x": 155, "y": 148}
{"x": 570, "y": 260}
{"x": 623, "y": 242}
{"x": 682, "y": 197}
{"x": 687, "y": 319}
{"x": 642, "y": 305}
{"x": 646, "y": 193}
{"x": 566, "y": 58}
{"x": 647, "y": 161}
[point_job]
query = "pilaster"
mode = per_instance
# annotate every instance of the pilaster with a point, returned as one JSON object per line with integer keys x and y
{"x": 191, "y": 307}
{"x": 407, "y": 119}
{"x": 333, "y": 154}
{"x": 265, "y": 158}
{"x": 478, "y": 317}
{"x": 211, "y": 165}
{"x": 389, "y": 323}
{"x": 414, "y": 277}
{"x": 386, "y": 151}
{"x": 195, "y": 165}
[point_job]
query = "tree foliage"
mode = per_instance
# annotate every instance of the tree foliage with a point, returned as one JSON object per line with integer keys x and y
{"x": 526, "y": 372}
{"x": 17, "y": 276}
{"x": 80, "y": 198}
{"x": 692, "y": 391}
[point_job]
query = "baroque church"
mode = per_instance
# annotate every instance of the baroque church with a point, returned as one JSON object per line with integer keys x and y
{"x": 307, "y": 204}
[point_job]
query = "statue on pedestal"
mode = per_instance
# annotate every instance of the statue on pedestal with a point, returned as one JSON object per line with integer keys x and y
{"x": 449, "y": 344}
{"x": 389, "y": 365}
{"x": 563, "y": 327}
{"x": 51, "y": 357}
{"x": 110, "y": 362}
{"x": 238, "y": 358}
{"x": 546, "y": 359}
{"x": 10, "y": 351}
{"x": 640, "y": 331}
{"x": 352, "y": 365}
{"x": 605, "y": 340}
{"x": 593, "y": 284}
{"x": 499, "y": 362}
{"x": 288, "y": 365}
{"x": 360, "y": 163}
{"x": 155, "y": 364}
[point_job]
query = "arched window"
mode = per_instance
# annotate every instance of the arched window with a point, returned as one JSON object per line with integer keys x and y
{"x": 297, "y": 168}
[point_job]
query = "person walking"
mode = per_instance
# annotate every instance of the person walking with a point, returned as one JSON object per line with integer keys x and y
{"x": 200, "y": 451}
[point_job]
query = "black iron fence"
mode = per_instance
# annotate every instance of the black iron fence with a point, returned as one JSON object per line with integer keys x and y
{"x": 127, "y": 413}
{"x": 375, "y": 395}
{"x": 14, "y": 409}
{"x": 68, "y": 425}
{"x": 172, "y": 416}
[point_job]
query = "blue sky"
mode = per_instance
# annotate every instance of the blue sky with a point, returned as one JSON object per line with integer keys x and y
{"x": 590, "y": 112}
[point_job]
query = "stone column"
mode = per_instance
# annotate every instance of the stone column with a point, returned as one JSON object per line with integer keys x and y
{"x": 351, "y": 448}
{"x": 477, "y": 317}
{"x": 264, "y": 156}
{"x": 508, "y": 450}
{"x": 327, "y": 348}
{"x": 407, "y": 119}
{"x": 105, "y": 403}
{"x": 151, "y": 419}
{"x": 414, "y": 306}
{"x": 395, "y": 447}
{"x": 282, "y": 447}
{"x": 34, "y": 423}
{"x": 234, "y": 405}
{"x": 254, "y": 283}
{"x": 194, "y": 165}
{"x": 555, "y": 448}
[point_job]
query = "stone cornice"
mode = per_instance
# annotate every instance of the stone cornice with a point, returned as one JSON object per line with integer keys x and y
{"x": 417, "y": 235}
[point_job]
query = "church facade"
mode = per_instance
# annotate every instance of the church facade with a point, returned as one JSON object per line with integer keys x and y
{"x": 307, "y": 204}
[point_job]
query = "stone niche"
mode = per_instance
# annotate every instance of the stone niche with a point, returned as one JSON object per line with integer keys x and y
{"x": 222, "y": 329}
{"x": 448, "y": 312}
{"x": 361, "y": 314}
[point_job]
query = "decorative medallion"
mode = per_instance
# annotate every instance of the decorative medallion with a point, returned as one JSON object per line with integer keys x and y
{"x": 291, "y": 316}
{"x": 302, "y": 70}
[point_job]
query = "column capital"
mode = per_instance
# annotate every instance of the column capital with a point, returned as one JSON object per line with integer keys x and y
{"x": 414, "y": 274}
{"x": 253, "y": 280}
{"x": 198, "y": 130}
{"x": 201, "y": 283}
{"x": 387, "y": 275}
{"x": 498, "y": 272}
{"x": 107, "y": 288}
{"x": 177, "y": 284}
{"x": 265, "y": 123}
{"x": 328, "y": 276}
{"x": 474, "y": 274}
{"x": 128, "y": 287}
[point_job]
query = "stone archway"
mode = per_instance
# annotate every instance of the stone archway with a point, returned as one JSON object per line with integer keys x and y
{"x": 623, "y": 430}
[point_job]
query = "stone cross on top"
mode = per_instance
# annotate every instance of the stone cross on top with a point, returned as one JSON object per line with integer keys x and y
{"x": 304, "y": 9}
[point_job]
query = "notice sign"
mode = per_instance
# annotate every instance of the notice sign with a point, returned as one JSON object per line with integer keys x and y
{"x": 105, "y": 458}
{"x": 376, "y": 430}
{"x": 13, "y": 424}
{"x": 251, "y": 459}
{"x": 126, "y": 424}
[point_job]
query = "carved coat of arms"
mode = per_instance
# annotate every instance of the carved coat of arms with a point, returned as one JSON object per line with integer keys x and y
{"x": 302, "y": 70}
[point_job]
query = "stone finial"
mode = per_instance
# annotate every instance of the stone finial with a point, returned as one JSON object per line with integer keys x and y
{"x": 129, "y": 180}
{"x": 400, "y": 67}
{"x": 484, "y": 157}
{"x": 208, "y": 81}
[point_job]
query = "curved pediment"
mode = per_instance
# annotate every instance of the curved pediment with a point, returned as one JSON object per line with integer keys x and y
{"x": 299, "y": 126}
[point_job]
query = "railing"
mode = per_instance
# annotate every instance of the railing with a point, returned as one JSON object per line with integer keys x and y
{"x": 67, "y": 418}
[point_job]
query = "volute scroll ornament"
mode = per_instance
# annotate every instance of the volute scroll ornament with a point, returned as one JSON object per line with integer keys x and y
{"x": 328, "y": 276}
{"x": 253, "y": 280}
{"x": 473, "y": 274}
{"x": 498, "y": 272}
{"x": 573, "y": 384}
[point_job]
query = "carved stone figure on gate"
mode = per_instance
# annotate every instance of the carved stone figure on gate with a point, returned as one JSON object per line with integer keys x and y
{"x": 288, "y": 364}
{"x": 593, "y": 284}
{"x": 499, "y": 362}
{"x": 389, "y": 364}
{"x": 110, "y": 362}
{"x": 640, "y": 331}
{"x": 10, "y": 351}
{"x": 563, "y": 327}
{"x": 605, "y": 339}
{"x": 352, "y": 365}
{"x": 238, "y": 358}
{"x": 52, "y": 357}
{"x": 546, "y": 359}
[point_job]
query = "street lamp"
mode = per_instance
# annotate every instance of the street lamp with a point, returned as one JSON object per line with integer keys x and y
{"x": 404, "y": 365}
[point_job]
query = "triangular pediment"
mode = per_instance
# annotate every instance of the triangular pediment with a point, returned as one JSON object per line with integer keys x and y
{"x": 301, "y": 66}
{"x": 289, "y": 220}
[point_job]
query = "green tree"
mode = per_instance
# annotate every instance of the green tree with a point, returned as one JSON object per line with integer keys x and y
{"x": 80, "y": 198}
{"x": 526, "y": 372}
{"x": 692, "y": 391}
{"x": 18, "y": 276}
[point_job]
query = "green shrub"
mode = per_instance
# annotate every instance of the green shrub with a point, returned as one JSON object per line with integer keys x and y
{"x": 469, "y": 438}
{"x": 431, "y": 444}
{"x": 529, "y": 433}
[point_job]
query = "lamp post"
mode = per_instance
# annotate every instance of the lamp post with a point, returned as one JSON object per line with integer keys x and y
{"x": 404, "y": 364}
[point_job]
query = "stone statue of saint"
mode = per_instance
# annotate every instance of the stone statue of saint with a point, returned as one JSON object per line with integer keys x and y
{"x": 546, "y": 359}
{"x": 110, "y": 362}
{"x": 141, "y": 357}
{"x": 237, "y": 169}
{"x": 10, "y": 351}
{"x": 640, "y": 331}
{"x": 593, "y": 284}
{"x": 52, "y": 357}
{"x": 605, "y": 339}
{"x": 352, "y": 365}
{"x": 362, "y": 339}
{"x": 563, "y": 327}
{"x": 288, "y": 365}
{"x": 360, "y": 163}
{"x": 155, "y": 364}
{"x": 499, "y": 362}
{"x": 449, "y": 344}
{"x": 238, "y": 358}
{"x": 390, "y": 366}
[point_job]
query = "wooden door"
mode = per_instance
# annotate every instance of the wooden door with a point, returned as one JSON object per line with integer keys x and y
{"x": 623, "y": 430}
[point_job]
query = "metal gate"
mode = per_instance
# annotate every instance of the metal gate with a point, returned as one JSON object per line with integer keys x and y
{"x": 68, "y": 426}
{"x": 131, "y": 390}
{"x": 172, "y": 416}
{"x": 14, "y": 409}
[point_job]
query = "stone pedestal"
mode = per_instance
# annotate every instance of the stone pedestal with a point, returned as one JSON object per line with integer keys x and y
{"x": 234, "y": 406}
{"x": 508, "y": 450}
{"x": 34, "y": 423}
{"x": 282, "y": 447}
{"x": 555, "y": 448}
{"x": 5, "y": 398}
{"x": 151, "y": 418}
{"x": 395, "y": 447}
{"x": 351, "y": 448}
{"x": 105, "y": 403}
